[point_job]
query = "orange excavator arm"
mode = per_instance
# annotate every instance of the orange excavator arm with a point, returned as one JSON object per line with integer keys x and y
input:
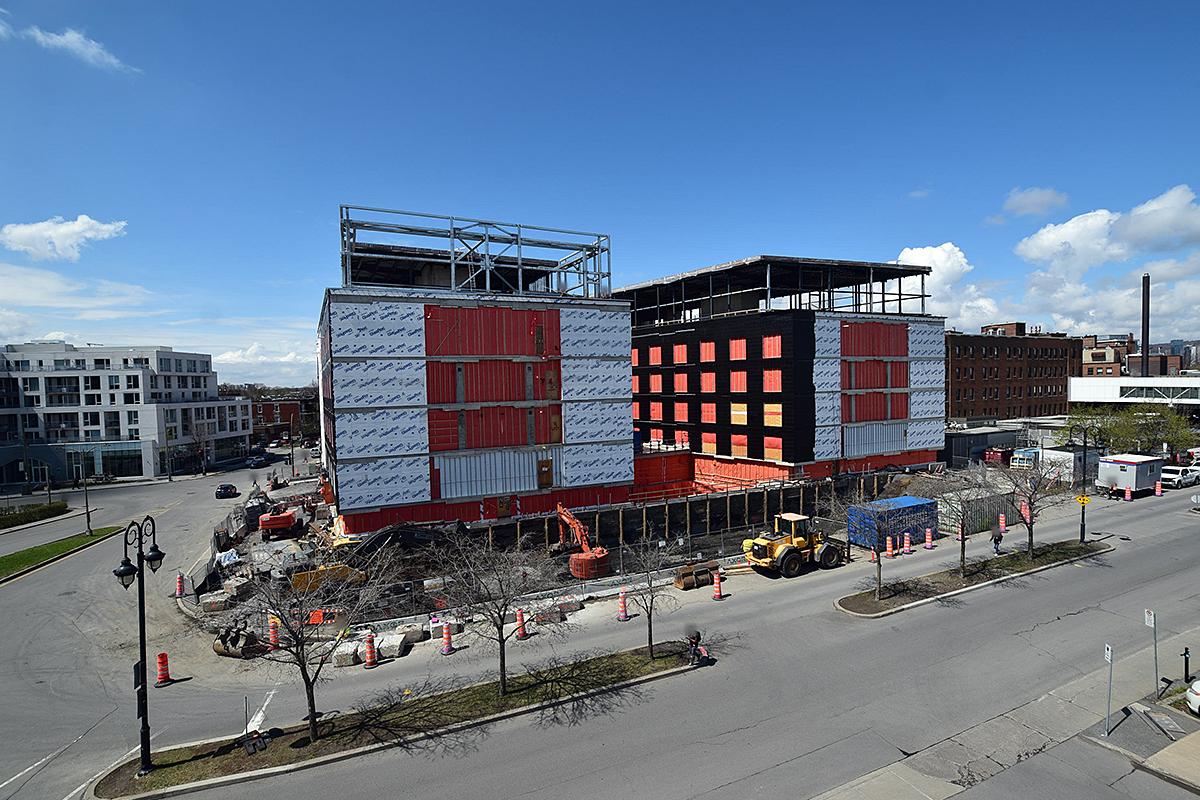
{"x": 568, "y": 520}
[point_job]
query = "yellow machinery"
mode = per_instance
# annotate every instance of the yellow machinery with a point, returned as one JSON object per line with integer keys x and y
{"x": 790, "y": 546}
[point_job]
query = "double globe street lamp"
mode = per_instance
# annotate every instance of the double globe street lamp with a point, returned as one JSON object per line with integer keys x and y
{"x": 136, "y": 533}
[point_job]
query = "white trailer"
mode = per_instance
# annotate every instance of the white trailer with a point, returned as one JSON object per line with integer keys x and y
{"x": 1128, "y": 471}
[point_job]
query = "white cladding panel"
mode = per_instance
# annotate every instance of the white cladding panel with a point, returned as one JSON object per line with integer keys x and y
{"x": 382, "y": 482}
{"x": 827, "y": 374}
{"x": 827, "y": 332}
{"x": 828, "y": 443}
{"x": 380, "y": 328}
{"x": 828, "y": 408}
{"x": 597, "y": 378}
{"x": 587, "y": 464}
{"x": 368, "y": 384}
{"x": 594, "y": 332}
{"x": 926, "y": 340}
{"x": 385, "y": 432}
{"x": 926, "y": 404}
{"x": 598, "y": 421}
{"x": 926, "y": 434}
{"x": 927, "y": 373}
{"x": 494, "y": 472}
{"x": 873, "y": 438}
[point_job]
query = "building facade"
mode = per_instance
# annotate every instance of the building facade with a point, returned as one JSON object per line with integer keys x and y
{"x": 1157, "y": 364}
{"x": 779, "y": 367}
{"x": 283, "y": 417}
{"x": 1104, "y": 355}
{"x": 1180, "y": 392}
{"x": 455, "y": 384}
{"x": 1005, "y": 372}
{"x": 122, "y": 411}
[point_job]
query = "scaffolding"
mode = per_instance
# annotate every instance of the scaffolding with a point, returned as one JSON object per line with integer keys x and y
{"x": 386, "y": 247}
{"x": 771, "y": 283}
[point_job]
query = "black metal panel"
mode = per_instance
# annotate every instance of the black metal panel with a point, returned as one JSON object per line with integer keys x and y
{"x": 797, "y": 397}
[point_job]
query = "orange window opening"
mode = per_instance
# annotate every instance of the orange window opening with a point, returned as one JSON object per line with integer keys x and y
{"x": 656, "y": 383}
{"x": 739, "y": 444}
{"x": 708, "y": 382}
{"x": 708, "y": 412}
{"x": 681, "y": 383}
{"x": 681, "y": 438}
{"x": 655, "y": 356}
{"x": 737, "y": 381}
{"x": 633, "y": 356}
{"x": 772, "y": 380}
{"x": 773, "y": 448}
{"x": 708, "y": 351}
{"x": 772, "y": 346}
{"x": 681, "y": 412}
{"x": 636, "y": 385}
{"x": 656, "y": 411}
{"x": 737, "y": 349}
{"x": 679, "y": 356}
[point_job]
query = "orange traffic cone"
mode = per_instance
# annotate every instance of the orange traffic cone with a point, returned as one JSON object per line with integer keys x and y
{"x": 717, "y": 585}
{"x": 890, "y": 552}
{"x": 522, "y": 634}
{"x": 622, "y": 608}
{"x": 371, "y": 659}
{"x": 164, "y": 672}
{"x": 929, "y": 538}
{"x": 447, "y": 640}
{"x": 273, "y": 634}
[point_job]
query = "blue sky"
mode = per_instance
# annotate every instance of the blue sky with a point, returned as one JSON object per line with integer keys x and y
{"x": 1037, "y": 156}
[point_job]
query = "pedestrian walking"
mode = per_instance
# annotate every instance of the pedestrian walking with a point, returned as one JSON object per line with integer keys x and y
{"x": 997, "y": 538}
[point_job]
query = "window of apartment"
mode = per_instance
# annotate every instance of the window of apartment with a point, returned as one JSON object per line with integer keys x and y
{"x": 91, "y": 383}
{"x": 134, "y": 433}
{"x": 164, "y": 364}
{"x": 33, "y": 401}
{"x": 679, "y": 354}
{"x": 773, "y": 448}
{"x": 655, "y": 356}
{"x": 737, "y": 414}
{"x": 633, "y": 356}
{"x": 91, "y": 419}
{"x": 91, "y": 399}
{"x": 655, "y": 384}
{"x": 636, "y": 387}
{"x": 153, "y": 381}
{"x": 708, "y": 382}
{"x": 681, "y": 412}
{"x": 132, "y": 382}
{"x": 656, "y": 434}
{"x": 708, "y": 413}
{"x": 708, "y": 443}
{"x": 656, "y": 411}
{"x": 101, "y": 363}
{"x": 170, "y": 415}
{"x": 1108, "y": 370}
{"x": 737, "y": 349}
{"x": 708, "y": 351}
{"x": 31, "y": 384}
{"x": 681, "y": 438}
{"x": 114, "y": 382}
{"x": 131, "y": 398}
{"x": 738, "y": 445}
{"x": 737, "y": 382}
{"x": 772, "y": 346}
{"x": 772, "y": 380}
{"x": 179, "y": 365}
{"x": 773, "y": 415}
{"x": 191, "y": 365}
{"x": 131, "y": 418}
{"x": 681, "y": 383}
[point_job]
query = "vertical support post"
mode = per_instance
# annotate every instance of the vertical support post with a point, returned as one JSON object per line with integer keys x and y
{"x": 643, "y": 520}
{"x": 1108, "y": 656}
{"x": 621, "y": 539}
{"x": 687, "y": 521}
{"x": 491, "y": 541}
{"x": 728, "y": 511}
{"x": 766, "y": 509}
{"x": 546, "y": 530}
{"x": 596, "y": 529}
{"x": 746, "y": 509}
{"x": 707, "y": 515}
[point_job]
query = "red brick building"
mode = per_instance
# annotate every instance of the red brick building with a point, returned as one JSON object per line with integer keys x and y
{"x": 1006, "y": 372}
{"x": 274, "y": 417}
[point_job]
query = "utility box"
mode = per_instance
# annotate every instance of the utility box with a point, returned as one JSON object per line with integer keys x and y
{"x": 1128, "y": 471}
{"x": 869, "y": 524}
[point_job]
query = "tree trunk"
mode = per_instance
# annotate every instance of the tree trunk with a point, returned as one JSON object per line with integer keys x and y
{"x": 962, "y": 552}
{"x": 1029, "y": 527}
{"x": 878, "y": 576}
{"x": 650, "y": 632}
{"x": 503, "y": 669}
{"x": 311, "y": 696}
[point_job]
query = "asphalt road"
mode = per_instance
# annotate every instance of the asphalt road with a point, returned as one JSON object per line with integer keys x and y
{"x": 806, "y": 699}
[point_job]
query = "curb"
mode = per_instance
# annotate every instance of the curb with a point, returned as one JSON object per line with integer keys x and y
{"x": 838, "y": 603}
{"x": 70, "y": 513}
{"x": 246, "y": 777}
{"x": 58, "y": 557}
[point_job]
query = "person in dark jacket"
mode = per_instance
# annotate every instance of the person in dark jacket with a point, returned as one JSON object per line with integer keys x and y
{"x": 997, "y": 538}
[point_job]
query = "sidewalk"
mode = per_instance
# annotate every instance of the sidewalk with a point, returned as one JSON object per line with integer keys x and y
{"x": 982, "y": 752}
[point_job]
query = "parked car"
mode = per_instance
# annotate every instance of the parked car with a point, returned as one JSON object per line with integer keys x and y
{"x": 226, "y": 490}
{"x": 274, "y": 444}
{"x": 1193, "y": 697}
{"x": 256, "y": 462}
{"x": 1179, "y": 477}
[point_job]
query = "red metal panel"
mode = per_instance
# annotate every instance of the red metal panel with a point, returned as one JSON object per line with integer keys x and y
{"x": 547, "y": 380}
{"x": 899, "y": 405}
{"x": 547, "y": 424}
{"x": 633, "y": 356}
{"x": 656, "y": 411}
{"x": 847, "y": 408}
{"x": 439, "y": 381}
{"x": 708, "y": 412}
{"x": 443, "y": 430}
{"x": 847, "y": 378}
{"x": 870, "y": 407}
{"x": 899, "y": 374}
{"x": 717, "y": 474}
{"x": 679, "y": 354}
{"x": 655, "y": 355}
{"x": 656, "y": 383}
{"x": 708, "y": 382}
{"x": 681, "y": 383}
{"x": 435, "y": 482}
{"x": 491, "y": 330}
{"x": 737, "y": 381}
{"x": 772, "y": 346}
{"x": 772, "y": 380}
{"x": 708, "y": 351}
{"x": 681, "y": 412}
{"x": 869, "y": 375}
{"x": 636, "y": 387}
{"x": 737, "y": 349}
{"x": 874, "y": 339}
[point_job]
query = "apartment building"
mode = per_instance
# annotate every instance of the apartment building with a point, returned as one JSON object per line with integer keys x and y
{"x": 67, "y": 410}
{"x": 1007, "y": 371}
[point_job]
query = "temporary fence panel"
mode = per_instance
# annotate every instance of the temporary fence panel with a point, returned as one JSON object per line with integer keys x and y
{"x": 495, "y": 472}
{"x": 873, "y": 439}
{"x": 977, "y": 510}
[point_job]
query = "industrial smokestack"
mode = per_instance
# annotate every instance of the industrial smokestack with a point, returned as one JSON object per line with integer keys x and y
{"x": 1145, "y": 324}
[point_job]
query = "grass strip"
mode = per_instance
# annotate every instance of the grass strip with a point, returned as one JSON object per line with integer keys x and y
{"x": 923, "y": 587}
{"x": 32, "y": 556}
{"x": 23, "y": 515}
{"x": 398, "y": 715}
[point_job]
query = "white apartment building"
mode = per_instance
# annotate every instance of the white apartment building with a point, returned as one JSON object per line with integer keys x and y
{"x": 121, "y": 411}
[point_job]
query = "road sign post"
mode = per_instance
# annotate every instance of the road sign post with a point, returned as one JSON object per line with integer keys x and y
{"x": 1108, "y": 656}
{"x": 1150, "y": 623}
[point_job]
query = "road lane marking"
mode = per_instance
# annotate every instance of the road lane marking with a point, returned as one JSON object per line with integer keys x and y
{"x": 77, "y": 792}
{"x": 57, "y": 752}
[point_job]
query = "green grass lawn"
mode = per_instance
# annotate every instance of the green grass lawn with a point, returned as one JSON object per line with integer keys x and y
{"x": 401, "y": 715}
{"x": 32, "y": 556}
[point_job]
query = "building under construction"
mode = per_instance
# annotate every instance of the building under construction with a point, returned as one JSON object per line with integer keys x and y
{"x": 779, "y": 368}
{"x": 472, "y": 370}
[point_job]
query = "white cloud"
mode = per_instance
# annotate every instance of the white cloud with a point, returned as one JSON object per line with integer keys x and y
{"x": 6, "y": 30}
{"x": 71, "y": 338}
{"x": 920, "y": 194}
{"x": 43, "y": 288}
{"x": 14, "y": 326}
{"x": 289, "y": 365}
{"x": 58, "y": 238}
{"x": 76, "y": 44}
{"x": 1168, "y": 222}
{"x": 995, "y": 219}
{"x": 965, "y": 305}
{"x": 257, "y": 354}
{"x": 1170, "y": 269}
{"x": 1036, "y": 201}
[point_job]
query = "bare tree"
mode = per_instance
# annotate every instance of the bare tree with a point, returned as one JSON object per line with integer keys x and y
{"x": 1031, "y": 492}
{"x": 313, "y": 616}
{"x": 649, "y": 558}
{"x": 955, "y": 493}
{"x": 200, "y": 438}
{"x": 488, "y": 585}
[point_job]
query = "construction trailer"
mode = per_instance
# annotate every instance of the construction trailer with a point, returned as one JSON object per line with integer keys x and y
{"x": 776, "y": 368}
{"x": 472, "y": 370}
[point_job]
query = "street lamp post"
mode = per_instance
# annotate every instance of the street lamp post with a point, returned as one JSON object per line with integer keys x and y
{"x": 136, "y": 533}
{"x": 1083, "y": 430}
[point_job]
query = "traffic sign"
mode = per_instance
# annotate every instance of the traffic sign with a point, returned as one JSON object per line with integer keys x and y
{"x": 1108, "y": 653}
{"x": 1196, "y": 498}
{"x": 1082, "y": 499}
{"x": 1149, "y": 618}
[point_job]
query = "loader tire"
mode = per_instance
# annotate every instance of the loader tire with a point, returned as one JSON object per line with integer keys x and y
{"x": 830, "y": 557}
{"x": 791, "y": 565}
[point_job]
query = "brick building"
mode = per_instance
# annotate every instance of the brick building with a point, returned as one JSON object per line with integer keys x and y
{"x": 276, "y": 416}
{"x": 1005, "y": 371}
{"x": 1159, "y": 364}
{"x": 1104, "y": 355}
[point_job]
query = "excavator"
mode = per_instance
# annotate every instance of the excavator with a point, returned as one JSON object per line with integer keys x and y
{"x": 592, "y": 562}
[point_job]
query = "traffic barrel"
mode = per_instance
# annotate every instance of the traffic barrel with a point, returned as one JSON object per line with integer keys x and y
{"x": 1025, "y": 511}
{"x": 447, "y": 640}
{"x": 872, "y": 555}
{"x": 929, "y": 538}
{"x": 622, "y": 607}
{"x": 1158, "y": 488}
{"x": 371, "y": 659}
{"x": 273, "y": 634}
{"x": 907, "y": 543}
{"x": 890, "y": 552}
{"x": 717, "y": 585}
{"x": 1128, "y": 493}
{"x": 178, "y": 585}
{"x": 1003, "y": 524}
{"x": 958, "y": 537}
{"x": 164, "y": 672}
{"x": 522, "y": 634}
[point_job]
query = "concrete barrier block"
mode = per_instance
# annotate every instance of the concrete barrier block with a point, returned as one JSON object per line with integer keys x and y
{"x": 412, "y": 633}
{"x": 570, "y": 606}
{"x": 236, "y": 587}
{"x": 214, "y": 601}
{"x": 392, "y": 645}
{"x": 346, "y": 654}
